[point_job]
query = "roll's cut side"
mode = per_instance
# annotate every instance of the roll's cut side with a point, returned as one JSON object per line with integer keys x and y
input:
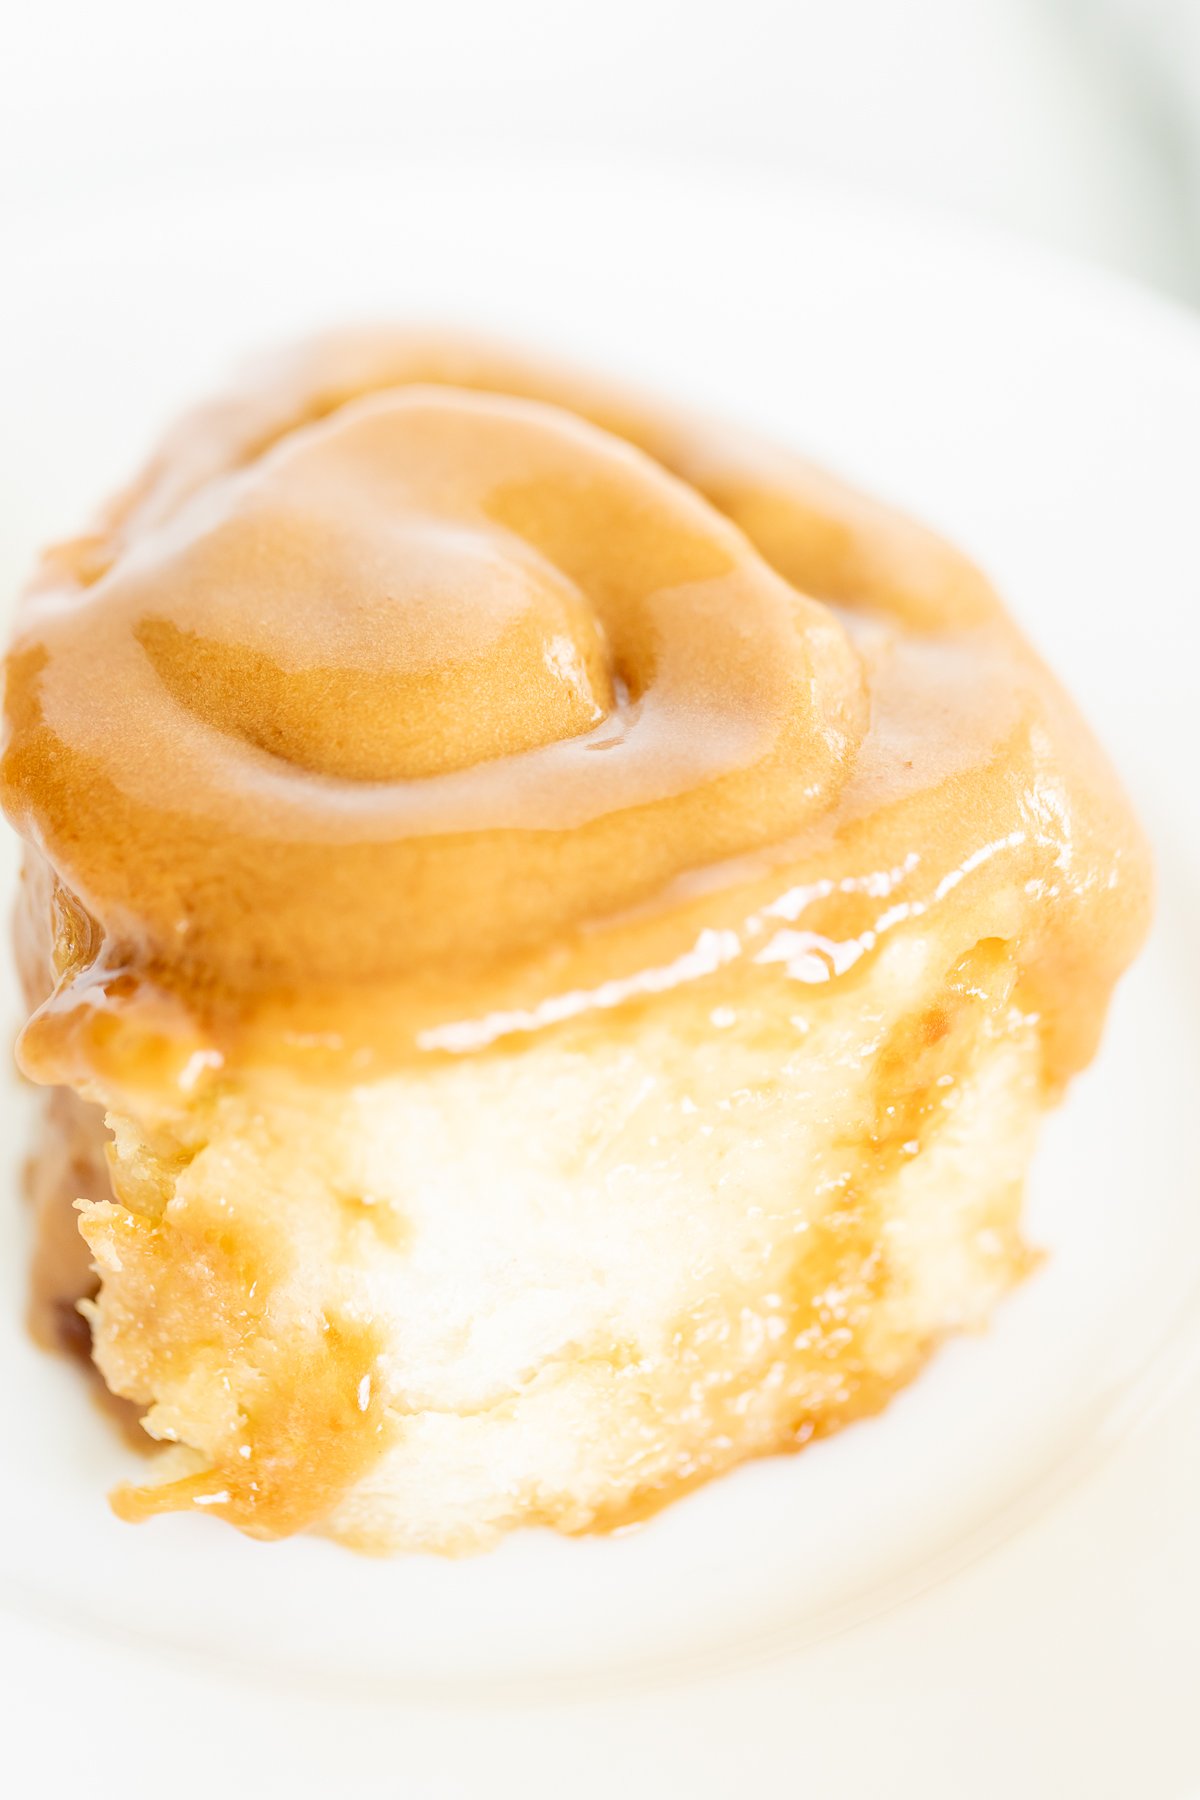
{"x": 563, "y": 1285}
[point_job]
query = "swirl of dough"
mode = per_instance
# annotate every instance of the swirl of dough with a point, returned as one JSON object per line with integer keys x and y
{"x": 425, "y": 674}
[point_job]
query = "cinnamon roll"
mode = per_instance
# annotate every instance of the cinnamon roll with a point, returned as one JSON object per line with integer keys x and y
{"x": 563, "y": 921}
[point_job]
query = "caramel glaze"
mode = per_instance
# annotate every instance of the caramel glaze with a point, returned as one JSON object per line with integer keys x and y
{"x": 418, "y": 695}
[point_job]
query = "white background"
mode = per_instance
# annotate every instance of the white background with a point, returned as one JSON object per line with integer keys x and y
{"x": 1068, "y": 119}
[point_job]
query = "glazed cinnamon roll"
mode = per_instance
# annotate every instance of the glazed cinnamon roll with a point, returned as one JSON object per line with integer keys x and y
{"x": 564, "y": 920}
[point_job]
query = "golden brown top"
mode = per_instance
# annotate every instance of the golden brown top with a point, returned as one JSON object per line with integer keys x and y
{"x": 416, "y": 696}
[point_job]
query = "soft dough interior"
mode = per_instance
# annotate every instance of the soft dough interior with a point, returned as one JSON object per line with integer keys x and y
{"x": 561, "y": 1283}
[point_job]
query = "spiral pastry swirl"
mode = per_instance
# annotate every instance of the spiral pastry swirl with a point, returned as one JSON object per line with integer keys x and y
{"x": 413, "y": 662}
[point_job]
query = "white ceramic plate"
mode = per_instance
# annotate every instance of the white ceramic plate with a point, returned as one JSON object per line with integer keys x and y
{"x": 994, "y": 1585}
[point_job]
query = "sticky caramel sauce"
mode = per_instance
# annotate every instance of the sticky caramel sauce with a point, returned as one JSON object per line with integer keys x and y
{"x": 388, "y": 701}
{"x": 305, "y": 1413}
{"x": 318, "y": 1426}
